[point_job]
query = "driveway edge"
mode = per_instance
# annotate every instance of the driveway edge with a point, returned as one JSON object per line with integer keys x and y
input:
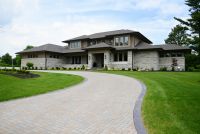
{"x": 137, "y": 114}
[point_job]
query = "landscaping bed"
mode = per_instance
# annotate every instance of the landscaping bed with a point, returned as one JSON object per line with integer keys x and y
{"x": 24, "y": 74}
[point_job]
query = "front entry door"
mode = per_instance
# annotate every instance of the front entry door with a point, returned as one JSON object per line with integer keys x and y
{"x": 99, "y": 60}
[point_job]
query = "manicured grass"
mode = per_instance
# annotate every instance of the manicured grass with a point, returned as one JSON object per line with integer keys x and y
{"x": 12, "y": 87}
{"x": 172, "y": 102}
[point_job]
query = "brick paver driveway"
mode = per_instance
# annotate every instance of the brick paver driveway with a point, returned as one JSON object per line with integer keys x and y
{"x": 103, "y": 103}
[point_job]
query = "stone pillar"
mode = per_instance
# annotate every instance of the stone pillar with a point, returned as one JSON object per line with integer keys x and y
{"x": 130, "y": 59}
{"x": 107, "y": 59}
{"x": 90, "y": 60}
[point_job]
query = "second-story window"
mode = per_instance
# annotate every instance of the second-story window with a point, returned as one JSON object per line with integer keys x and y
{"x": 94, "y": 42}
{"x": 121, "y": 41}
{"x": 75, "y": 44}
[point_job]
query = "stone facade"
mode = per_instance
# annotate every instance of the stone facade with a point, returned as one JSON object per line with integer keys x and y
{"x": 146, "y": 60}
{"x": 142, "y": 60}
{"x": 168, "y": 61}
{"x": 38, "y": 62}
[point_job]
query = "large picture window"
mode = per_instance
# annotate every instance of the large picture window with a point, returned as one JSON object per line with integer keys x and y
{"x": 121, "y": 41}
{"x": 76, "y": 59}
{"x": 120, "y": 56}
{"x": 75, "y": 44}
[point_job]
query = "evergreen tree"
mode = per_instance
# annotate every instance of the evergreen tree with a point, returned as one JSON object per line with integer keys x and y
{"x": 193, "y": 23}
{"x": 179, "y": 36}
{"x": 6, "y": 59}
{"x": 28, "y": 47}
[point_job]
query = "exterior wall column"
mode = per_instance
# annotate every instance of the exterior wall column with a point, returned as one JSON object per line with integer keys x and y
{"x": 90, "y": 60}
{"x": 130, "y": 59}
{"x": 107, "y": 59}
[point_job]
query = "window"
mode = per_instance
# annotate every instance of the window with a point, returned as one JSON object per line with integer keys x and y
{"x": 93, "y": 42}
{"x": 179, "y": 54}
{"x": 170, "y": 54}
{"x": 173, "y": 54}
{"x": 120, "y": 56}
{"x": 126, "y": 40}
{"x": 75, "y": 44}
{"x": 54, "y": 56}
{"x": 32, "y": 56}
{"x": 161, "y": 55}
{"x": 115, "y": 57}
{"x": 125, "y": 57}
{"x": 117, "y": 41}
{"x": 76, "y": 59}
{"x": 121, "y": 41}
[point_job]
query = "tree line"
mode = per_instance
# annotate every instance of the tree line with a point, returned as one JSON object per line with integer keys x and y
{"x": 187, "y": 33}
{"x": 8, "y": 60}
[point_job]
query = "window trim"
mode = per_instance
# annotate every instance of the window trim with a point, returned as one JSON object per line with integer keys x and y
{"x": 117, "y": 58}
{"x": 76, "y": 60}
{"x": 75, "y": 44}
{"x": 121, "y": 41}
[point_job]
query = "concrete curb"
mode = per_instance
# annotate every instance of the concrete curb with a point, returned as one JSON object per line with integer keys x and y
{"x": 137, "y": 115}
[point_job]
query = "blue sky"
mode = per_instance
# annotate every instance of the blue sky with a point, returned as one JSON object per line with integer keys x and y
{"x": 36, "y": 22}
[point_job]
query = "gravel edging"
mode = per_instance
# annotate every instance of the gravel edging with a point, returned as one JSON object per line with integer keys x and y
{"x": 137, "y": 115}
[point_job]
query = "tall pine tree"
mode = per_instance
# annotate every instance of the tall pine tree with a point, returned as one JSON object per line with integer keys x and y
{"x": 178, "y": 36}
{"x": 193, "y": 23}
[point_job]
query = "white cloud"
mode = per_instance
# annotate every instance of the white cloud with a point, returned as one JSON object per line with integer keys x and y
{"x": 32, "y": 23}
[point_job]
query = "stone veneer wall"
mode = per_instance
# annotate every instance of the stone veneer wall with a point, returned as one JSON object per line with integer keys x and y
{"x": 146, "y": 60}
{"x": 167, "y": 62}
{"x": 38, "y": 62}
{"x": 53, "y": 62}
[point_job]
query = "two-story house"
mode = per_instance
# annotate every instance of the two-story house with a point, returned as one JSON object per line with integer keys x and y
{"x": 115, "y": 49}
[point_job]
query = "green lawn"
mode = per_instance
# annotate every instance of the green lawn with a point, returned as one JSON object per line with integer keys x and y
{"x": 172, "y": 102}
{"x": 12, "y": 87}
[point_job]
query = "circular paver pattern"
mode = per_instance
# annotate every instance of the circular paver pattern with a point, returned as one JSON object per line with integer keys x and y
{"x": 102, "y": 104}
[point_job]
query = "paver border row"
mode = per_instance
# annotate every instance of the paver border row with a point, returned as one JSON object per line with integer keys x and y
{"x": 137, "y": 114}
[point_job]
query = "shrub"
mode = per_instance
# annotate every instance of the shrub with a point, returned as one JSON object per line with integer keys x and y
{"x": 41, "y": 68}
{"x": 78, "y": 68}
{"x": 152, "y": 69}
{"x": 52, "y": 68}
{"x": 106, "y": 68}
{"x": 197, "y": 66}
{"x": 29, "y": 65}
{"x": 36, "y": 68}
{"x": 83, "y": 67}
{"x": 173, "y": 68}
{"x": 63, "y": 68}
{"x": 134, "y": 69}
{"x": 70, "y": 68}
{"x": 27, "y": 72}
{"x": 57, "y": 68}
{"x": 129, "y": 69}
{"x": 123, "y": 69}
{"x": 192, "y": 60}
{"x": 163, "y": 69}
{"x": 74, "y": 68}
{"x": 191, "y": 69}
